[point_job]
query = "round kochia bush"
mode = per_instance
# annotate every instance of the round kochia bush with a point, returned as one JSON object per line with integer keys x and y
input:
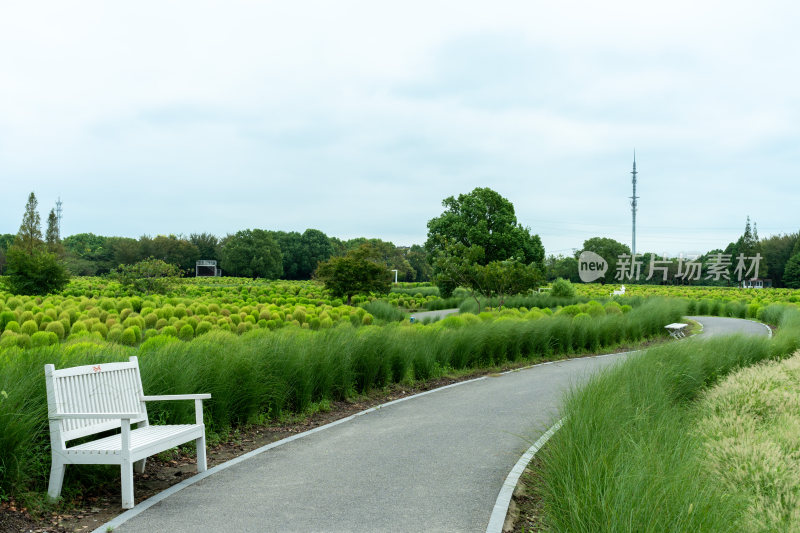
{"x": 562, "y": 288}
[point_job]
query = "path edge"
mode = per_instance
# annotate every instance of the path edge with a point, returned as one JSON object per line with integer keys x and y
{"x": 500, "y": 509}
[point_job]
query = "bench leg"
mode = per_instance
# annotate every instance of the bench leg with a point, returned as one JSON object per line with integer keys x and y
{"x": 201, "y": 453}
{"x": 126, "y": 470}
{"x": 138, "y": 466}
{"x": 56, "y": 479}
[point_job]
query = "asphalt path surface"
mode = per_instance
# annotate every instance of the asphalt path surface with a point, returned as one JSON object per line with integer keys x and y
{"x": 434, "y": 315}
{"x": 435, "y": 462}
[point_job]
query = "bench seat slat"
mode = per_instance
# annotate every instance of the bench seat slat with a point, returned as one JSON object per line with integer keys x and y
{"x": 140, "y": 438}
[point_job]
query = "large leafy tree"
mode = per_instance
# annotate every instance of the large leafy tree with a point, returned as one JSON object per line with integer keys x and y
{"x": 509, "y": 277}
{"x": 558, "y": 266}
{"x": 777, "y": 250}
{"x": 791, "y": 275}
{"x": 147, "y": 276}
{"x": 384, "y": 253}
{"x": 206, "y": 244}
{"x": 292, "y": 252}
{"x": 37, "y": 273}
{"x": 316, "y": 248}
{"x": 88, "y": 254}
{"x": 484, "y": 218}
{"x": 417, "y": 257}
{"x": 608, "y": 249}
{"x": 171, "y": 249}
{"x": 353, "y": 274}
{"x": 126, "y": 251}
{"x": 459, "y": 265}
{"x": 30, "y": 267}
{"x": 302, "y": 252}
{"x": 6, "y": 239}
{"x": 251, "y": 253}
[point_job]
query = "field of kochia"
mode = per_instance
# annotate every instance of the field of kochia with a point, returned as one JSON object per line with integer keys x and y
{"x": 104, "y": 311}
{"x": 265, "y": 349}
{"x": 100, "y": 310}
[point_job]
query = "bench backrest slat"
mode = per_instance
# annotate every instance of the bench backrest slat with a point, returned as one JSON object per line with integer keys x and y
{"x": 103, "y": 388}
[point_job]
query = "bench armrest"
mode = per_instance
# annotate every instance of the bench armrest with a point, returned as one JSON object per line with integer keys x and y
{"x": 166, "y": 397}
{"x": 198, "y": 402}
{"x": 127, "y": 416}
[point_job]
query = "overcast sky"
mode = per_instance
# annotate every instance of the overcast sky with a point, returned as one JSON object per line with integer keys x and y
{"x": 359, "y": 118}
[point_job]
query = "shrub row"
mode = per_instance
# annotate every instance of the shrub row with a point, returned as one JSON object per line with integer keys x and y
{"x": 261, "y": 373}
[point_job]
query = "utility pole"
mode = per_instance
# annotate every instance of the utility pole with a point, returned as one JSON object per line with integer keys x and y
{"x": 634, "y": 205}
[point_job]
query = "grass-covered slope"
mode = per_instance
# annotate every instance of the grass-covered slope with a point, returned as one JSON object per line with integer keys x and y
{"x": 626, "y": 458}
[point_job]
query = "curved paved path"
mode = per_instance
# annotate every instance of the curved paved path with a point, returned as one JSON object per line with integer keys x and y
{"x": 436, "y": 315}
{"x": 433, "y": 463}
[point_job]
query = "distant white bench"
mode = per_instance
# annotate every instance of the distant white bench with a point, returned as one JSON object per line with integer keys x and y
{"x": 620, "y": 292}
{"x": 677, "y": 330}
{"x": 87, "y": 400}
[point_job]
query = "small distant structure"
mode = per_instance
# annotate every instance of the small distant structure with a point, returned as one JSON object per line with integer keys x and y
{"x": 620, "y": 292}
{"x": 757, "y": 283}
{"x": 206, "y": 268}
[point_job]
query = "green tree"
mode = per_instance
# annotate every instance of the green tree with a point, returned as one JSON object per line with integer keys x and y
{"x": 30, "y": 268}
{"x": 486, "y": 219}
{"x": 6, "y": 239}
{"x": 251, "y": 253}
{"x": 417, "y": 257}
{"x": 608, "y": 249}
{"x": 292, "y": 252}
{"x": 316, "y": 248}
{"x": 558, "y": 266}
{"x": 207, "y": 245}
{"x": 29, "y": 236}
{"x": 458, "y": 266}
{"x": 171, "y": 249}
{"x": 88, "y": 254}
{"x": 384, "y": 253}
{"x": 353, "y": 274}
{"x": 777, "y": 250}
{"x": 52, "y": 237}
{"x": 791, "y": 275}
{"x": 749, "y": 246}
{"x": 147, "y": 276}
{"x": 125, "y": 251}
{"x": 39, "y": 272}
{"x": 509, "y": 277}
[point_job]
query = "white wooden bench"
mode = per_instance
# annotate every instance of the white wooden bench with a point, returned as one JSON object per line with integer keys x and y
{"x": 86, "y": 400}
{"x": 677, "y": 330}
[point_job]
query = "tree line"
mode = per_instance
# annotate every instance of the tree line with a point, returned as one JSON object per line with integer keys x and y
{"x": 255, "y": 253}
{"x": 476, "y": 243}
{"x": 780, "y": 260}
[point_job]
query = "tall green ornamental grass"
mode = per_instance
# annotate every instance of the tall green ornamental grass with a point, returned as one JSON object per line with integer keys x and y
{"x": 750, "y": 425}
{"x": 625, "y": 459}
{"x": 413, "y": 291}
{"x": 265, "y": 373}
{"x": 384, "y": 311}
